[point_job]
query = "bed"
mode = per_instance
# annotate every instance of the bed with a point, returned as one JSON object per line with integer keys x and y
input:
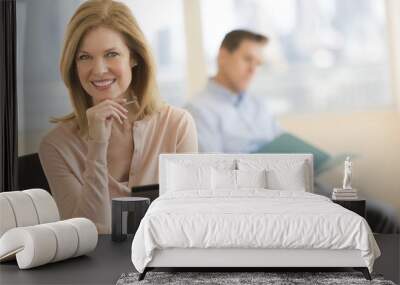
{"x": 241, "y": 210}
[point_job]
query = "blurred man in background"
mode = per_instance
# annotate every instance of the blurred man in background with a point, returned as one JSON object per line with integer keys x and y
{"x": 227, "y": 118}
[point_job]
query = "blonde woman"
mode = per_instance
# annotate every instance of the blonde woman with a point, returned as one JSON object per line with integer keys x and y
{"x": 119, "y": 126}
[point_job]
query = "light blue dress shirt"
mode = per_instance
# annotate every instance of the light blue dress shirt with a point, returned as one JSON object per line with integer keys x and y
{"x": 231, "y": 123}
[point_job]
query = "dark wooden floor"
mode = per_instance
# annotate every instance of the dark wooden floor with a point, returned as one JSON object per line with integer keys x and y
{"x": 106, "y": 264}
{"x": 389, "y": 262}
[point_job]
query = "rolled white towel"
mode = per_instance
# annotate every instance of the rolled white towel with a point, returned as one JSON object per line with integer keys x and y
{"x": 32, "y": 246}
{"x": 7, "y": 220}
{"x": 67, "y": 240}
{"x": 40, "y": 244}
{"x": 45, "y": 205}
{"x": 24, "y": 211}
{"x": 87, "y": 235}
{"x": 26, "y": 208}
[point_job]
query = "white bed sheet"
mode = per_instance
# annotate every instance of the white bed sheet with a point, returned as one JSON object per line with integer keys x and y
{"x": 251, "y": 218}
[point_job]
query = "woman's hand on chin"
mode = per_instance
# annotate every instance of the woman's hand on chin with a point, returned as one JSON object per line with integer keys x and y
{"x": 101, "y": 115}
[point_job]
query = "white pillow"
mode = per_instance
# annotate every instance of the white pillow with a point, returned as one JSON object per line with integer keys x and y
{"x": 281, "y": 174}
{"x": 227, "y": 179}
{"x": 188, "y": 177}
{"x": 293, "y": 179}
{"x": 251, "y": 178}
{"x": 223, "y": 179}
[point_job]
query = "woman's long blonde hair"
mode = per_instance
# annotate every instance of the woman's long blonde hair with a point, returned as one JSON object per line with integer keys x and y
{"x": 117, "y": 16}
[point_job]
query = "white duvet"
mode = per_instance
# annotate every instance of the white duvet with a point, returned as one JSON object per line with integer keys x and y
{"x": 250, "y": 219}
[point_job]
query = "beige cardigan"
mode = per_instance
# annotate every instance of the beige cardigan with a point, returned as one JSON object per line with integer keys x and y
{"x": 77, "y": 172}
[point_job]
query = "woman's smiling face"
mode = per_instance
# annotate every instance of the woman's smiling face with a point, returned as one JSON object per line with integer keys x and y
{"x": 104, "y": 64}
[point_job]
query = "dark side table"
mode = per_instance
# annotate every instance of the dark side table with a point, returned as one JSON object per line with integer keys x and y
{"x": 127, "y": 212}
{"x": 357, "y": 206}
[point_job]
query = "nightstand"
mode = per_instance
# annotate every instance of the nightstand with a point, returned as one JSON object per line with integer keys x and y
{"x": 357, "y": 206}
{"x": 127, "y": 212}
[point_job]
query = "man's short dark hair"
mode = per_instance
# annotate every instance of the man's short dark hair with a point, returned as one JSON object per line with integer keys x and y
{"x": 233, "y": 39}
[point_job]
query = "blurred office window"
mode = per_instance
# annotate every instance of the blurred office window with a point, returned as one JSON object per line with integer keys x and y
{"x": 162, "y": 23}
{"x": 41, "y": 26}
{"x": 324, "y": 55}
{"x": 41, "y": 92}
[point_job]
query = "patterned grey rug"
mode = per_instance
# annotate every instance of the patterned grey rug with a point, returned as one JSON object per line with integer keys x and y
{"x": 230, "y": 278}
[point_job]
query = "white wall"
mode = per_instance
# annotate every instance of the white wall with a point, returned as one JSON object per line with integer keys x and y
{"x": 374, "y": 136}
